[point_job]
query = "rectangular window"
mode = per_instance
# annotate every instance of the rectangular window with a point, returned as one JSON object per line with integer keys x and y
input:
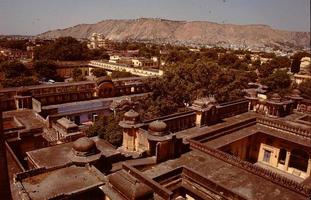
{"x": 266, "y": 156}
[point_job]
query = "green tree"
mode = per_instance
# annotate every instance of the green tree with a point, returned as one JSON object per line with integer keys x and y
{"x": 98, "y": 72}
{"x": 108, "y": 129}
{"x": 182, "y": 83}
{"x": 120, "y": 74}
{"x": 305, "y": 88}
{"x": 295, "y": 66}
{"x": 64, "y": 48}
{"x": 278, "y": 80}
{"x": 45, "y": 68}
{"x": 96, "y": 54}
{"x": 20, "y": 81}
{"x": 14, "y": 44}
{"x": 77, "y": 74}
{"x": 14, "y": 69}
{"x": 227, "y": 59}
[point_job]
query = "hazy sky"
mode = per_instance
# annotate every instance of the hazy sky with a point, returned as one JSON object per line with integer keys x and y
{"x": 36, "y": 16}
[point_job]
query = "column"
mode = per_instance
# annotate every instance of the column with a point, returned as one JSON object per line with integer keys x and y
{"x": 198, "y": 119}
{"x": 287, "y": 160}
{"x": 309, "y": 167}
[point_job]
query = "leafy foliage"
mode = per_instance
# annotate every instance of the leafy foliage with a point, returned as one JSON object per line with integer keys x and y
{"x": 68, "y": 49}
{"x": 14, "y": 44}
{"x": 98, "y": 72}
{"x": 16, "y": 74}
{"x": 228, "y": 59}
{"x": 14, "y": 69}
{"x": 183, "y": 83}
{"x": 45, "y": 68}
{"x": 20, "y": 81}
{"x": 108, "y": 129}
{"x": 278, "y": 80}
{"x": 96, "y": 54}
{"x": 77, "y": 74}
{"x": 305, "y": 88}
{"x": 295, "y": 66}
{"x": 120, "y": 74}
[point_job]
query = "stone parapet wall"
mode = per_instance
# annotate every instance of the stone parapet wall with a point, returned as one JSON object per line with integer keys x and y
{"x": 265, "y": 173}
{"x": 283, "y": 126}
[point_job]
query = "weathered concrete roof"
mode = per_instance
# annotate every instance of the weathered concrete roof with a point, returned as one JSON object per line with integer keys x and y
{"x": 66, "y": 123}
{"x": 66, "y": 180}
{"x": 28, "y": 119}
{"x": 62, "y": 154}
{"x": 236, "y": 179}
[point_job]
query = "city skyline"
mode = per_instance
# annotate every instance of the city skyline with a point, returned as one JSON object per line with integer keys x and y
{"x": 34, "y": 17}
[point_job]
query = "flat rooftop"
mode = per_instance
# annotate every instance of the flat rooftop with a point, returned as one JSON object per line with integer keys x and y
{"x": 242, "y": 182}
{"x": 62, "y": 154}
{"x": 68, "y": 180}
{"x": 251, "y": 130}
{"x": 27, "y": 117}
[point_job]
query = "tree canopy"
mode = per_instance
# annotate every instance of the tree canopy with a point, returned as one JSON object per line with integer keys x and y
{"x": 68, "y": 49}
{"x": 98, "y": 72}
{"x": 120, "y": 74}
{"x": 295, "y": 66}
{"x": 278, "y": 80}
{"x": 108, "y": 129}
{"x": 45, "y": 69}
{"x": 183, "y": 83}
{"x": 14, "y": 44}
{"x": 305, "y": 88}
{"x": 16, "y": 74}
{"x": 77, "y": 74}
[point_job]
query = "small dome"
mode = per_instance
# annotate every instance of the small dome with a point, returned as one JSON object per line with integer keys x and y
{"x": 84, "y": 146}
{"x": 157, "y": 126}
{"x": 276, "y": 96}
{"x": 296, "y": 92}
{"x": 131, "y": 114}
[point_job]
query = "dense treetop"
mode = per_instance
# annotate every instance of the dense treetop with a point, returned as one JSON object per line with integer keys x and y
{"x": 68, "y": 49}
{"x": 14, "y": 44}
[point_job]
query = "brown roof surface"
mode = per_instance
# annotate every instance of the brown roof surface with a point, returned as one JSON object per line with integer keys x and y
{"x": 66, "y": 180}
{"x": 192, "y": 132}
{"x": 62, "y": 154}
{"x": 27, "y": 117}
{"x": 238, "y": 180}
{"x": 250, "y": 130}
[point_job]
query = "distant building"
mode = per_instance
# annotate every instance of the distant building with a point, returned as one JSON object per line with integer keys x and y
{"x": 144, "y": 63}
{"x": 97, "y": 41}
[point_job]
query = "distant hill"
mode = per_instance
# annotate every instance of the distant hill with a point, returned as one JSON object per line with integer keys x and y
{"x": 186, "y": 32}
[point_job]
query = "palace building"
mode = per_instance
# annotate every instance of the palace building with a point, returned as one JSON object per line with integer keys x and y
{"x": 257, "y": 148}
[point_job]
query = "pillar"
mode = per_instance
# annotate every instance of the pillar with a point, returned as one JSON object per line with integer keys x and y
{"x": 309, "y": 167}
{"x": 198, "y": 120}
{"x": 287, "y": 160}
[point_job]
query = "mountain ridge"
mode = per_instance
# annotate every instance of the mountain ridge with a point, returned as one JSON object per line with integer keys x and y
{"x": 193, "y": 32}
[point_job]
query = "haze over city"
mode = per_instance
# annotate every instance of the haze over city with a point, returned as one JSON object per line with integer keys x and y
{"x": 32, "y": 17}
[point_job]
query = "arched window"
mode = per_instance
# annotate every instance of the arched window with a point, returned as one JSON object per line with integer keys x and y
{"x": 299, "y": 159}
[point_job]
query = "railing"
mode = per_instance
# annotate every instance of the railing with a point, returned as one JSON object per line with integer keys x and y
{"x": 177, "y": 122}
{"x": 283, "y": 126}
{"x": 120, "y": 67}
{"x": 204, "y": 137}
{"x": 265, "y": 173}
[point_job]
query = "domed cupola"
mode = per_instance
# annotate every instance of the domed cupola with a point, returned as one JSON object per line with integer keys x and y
{"x": 158, "y": 128}
{"x": 84, "y": 147}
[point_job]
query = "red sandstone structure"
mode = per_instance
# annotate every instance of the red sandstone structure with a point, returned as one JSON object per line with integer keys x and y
{"x": 254, "y": 148}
